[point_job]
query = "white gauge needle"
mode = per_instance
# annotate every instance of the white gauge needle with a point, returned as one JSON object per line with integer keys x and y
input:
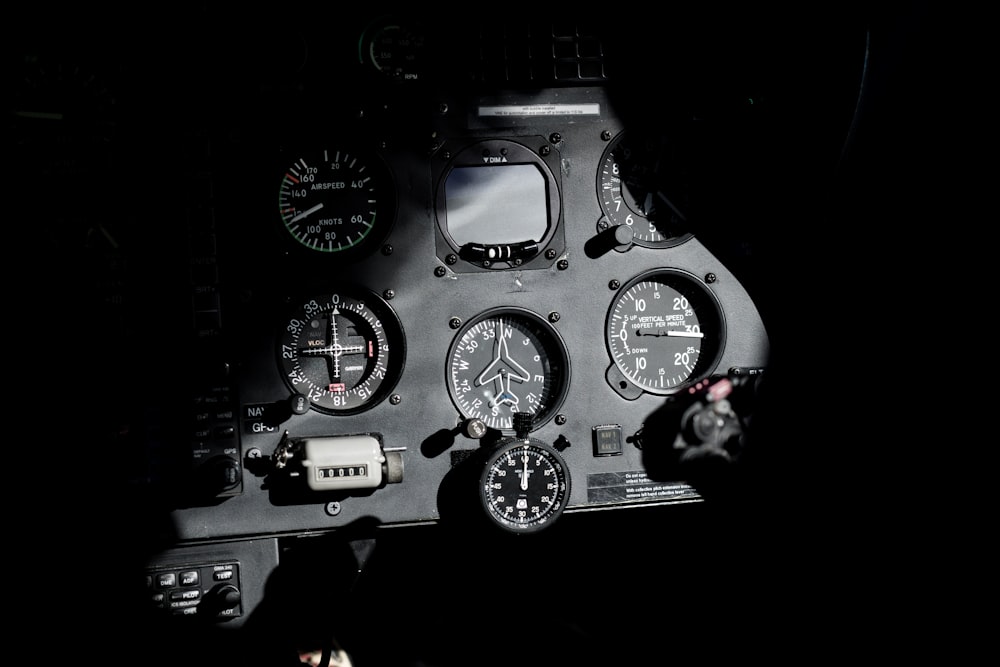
{"x": 524, "y": 473}
{"x": 685, "y": 334}
{"x": 308, "y": 211}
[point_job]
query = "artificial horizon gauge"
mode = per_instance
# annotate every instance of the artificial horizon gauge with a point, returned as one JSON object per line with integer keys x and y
{"x": 343, "y": 351}
{"x": 507, "y": 360}
{"x": 641, "y": 183}
{"x": 664, "y": 330}
{"x": 336, "y": 201}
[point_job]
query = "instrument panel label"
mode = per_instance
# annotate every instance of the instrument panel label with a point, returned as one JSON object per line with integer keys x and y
{"x": 635, "y": 487}
{"x": 541, "y": 110}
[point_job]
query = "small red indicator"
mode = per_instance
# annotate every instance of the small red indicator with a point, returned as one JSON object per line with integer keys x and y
{"x": 292, "y": 178}
{"x": 371, "y": 350}
{"x": 337, "y": 388}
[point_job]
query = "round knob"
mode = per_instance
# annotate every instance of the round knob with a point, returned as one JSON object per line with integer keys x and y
{"x": 221, "y": 473}
{"x": 221, "y": 598}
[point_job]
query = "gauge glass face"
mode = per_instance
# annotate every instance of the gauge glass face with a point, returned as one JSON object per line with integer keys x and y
{"x": 331, "y": 201}
{"x": 525, "y": 486}
{"x": 342, "y": 352}
{"x": 641, "y": 184}
{"x": 664, "y": 330}
{"x": 505, "y": 361}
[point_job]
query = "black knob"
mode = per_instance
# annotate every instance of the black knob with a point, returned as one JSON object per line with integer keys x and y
{"x": 222, "y": 598}
{"x": 522, "y": 424}
{"x": 220, "y": 473}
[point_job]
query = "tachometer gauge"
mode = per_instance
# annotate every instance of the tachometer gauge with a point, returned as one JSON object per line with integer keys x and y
{"x": 664, "y": 330}
{"x": 642, "y": 184}
{"x": 343, "y": 351}
{"x": 504, "y": 361}
{"x": 336, "y": 201}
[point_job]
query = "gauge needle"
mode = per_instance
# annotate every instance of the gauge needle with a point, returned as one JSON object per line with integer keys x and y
{"x": 671, "y": 332}
{"x": 524, "y": 473}
{"x": 308, "y": 211}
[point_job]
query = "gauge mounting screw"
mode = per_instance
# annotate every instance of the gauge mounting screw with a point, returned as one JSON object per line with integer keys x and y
{"x": 544, "y": 150}
{"x": 710, "y": 278}
{"x": 614, "y": 284}
{"x": 333, "y": 508}
{"x": 395, "y": 399}
{"x": 602, "y": 224}
{"x": 550, "y": 253}
{"x": 443, "y": 108}
{"x": 554, "y": 317}
{"x": 560, "y": 419}
{"x": 389, "y": 294}
{"x": 555, "y": 138}
{"x": 455, "y": 322}
{"x": 606, "y": 135}
{"x": 387, "y": 249}
{"x": 439, "y": 271}
{"x": 451, "y": 258}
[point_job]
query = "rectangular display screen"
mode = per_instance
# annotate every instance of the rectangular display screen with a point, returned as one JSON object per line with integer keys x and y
{"x": 496, "y": 204}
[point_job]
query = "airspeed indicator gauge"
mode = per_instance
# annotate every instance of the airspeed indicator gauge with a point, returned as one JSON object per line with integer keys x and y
{"x": 335, "y": 201}
{"x": 504, "y": 361}
{"x": 664, "y": 330}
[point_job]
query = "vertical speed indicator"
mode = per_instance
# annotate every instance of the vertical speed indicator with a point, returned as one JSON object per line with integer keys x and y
{"x": 664, "y": 330}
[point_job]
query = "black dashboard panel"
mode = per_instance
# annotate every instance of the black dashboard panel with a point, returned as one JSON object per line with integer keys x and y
{"x": 336, "y": 279}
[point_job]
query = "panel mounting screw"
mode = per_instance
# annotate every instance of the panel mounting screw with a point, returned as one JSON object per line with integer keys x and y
{"x": 563, "y": 264}
{"x": 455, "y": 323}
{"x": 710, "y": 278}
{"x": 554, "y": 317}
{"x": 560, "y": 419}
{"x": 389, "y": 294}
{"x": 333, "y": 508}
{"x": 606, "y": 135}
{"x": 614, "y": 283}
{"x": 439, "y": 271}
{"x": 395, "y": 399}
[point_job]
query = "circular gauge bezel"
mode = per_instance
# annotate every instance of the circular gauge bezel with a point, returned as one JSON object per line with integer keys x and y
{"x": 548, "y": 345}
{"x": 530, "y": 518}
{"x": 378, "y": 379}
{"x": 703, "y": 302}
{"x": 365, "y": 173}
{"x": 620, "y": 211}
